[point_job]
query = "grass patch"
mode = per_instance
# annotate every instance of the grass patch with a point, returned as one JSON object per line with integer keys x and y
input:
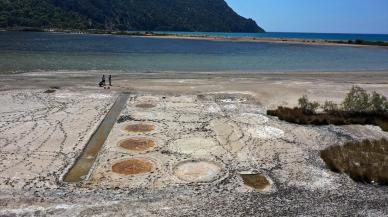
{"x": 366, "y": 161}
{"x": 298, "y": 116}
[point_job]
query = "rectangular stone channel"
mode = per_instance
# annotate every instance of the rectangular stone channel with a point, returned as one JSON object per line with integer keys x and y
{"x": 84, "y": 163}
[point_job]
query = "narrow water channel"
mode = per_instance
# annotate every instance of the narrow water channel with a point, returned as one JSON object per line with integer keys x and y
{"x": 84, "y": 163}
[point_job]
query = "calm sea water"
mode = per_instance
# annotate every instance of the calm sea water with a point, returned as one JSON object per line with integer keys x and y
{"x": 27, "y": 51}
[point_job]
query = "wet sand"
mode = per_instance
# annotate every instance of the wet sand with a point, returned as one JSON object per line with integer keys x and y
{"x": 205, "y": 130}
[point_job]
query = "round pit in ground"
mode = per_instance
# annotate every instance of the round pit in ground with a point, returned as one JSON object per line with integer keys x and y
{"x": 140, "y": 128}
{"x": 145, "y": 105}
{"x": 256, "y": 181}
{"x": 133, "y": 167}
{"x": 197, "y": 171}
{"x": 137, "y": 144}
{"x": 195, "y": 146}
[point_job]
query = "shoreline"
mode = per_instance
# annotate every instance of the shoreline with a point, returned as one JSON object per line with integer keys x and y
{"x": 314, "y": 42}
{"x": 197, "y": 73}
{"x": 263, "y": 85}
{"x": 150, "y": 34}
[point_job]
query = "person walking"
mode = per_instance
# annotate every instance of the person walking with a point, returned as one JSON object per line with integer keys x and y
{"x": 110, "y": 80}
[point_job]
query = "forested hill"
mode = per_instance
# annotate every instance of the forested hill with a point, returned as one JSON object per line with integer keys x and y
{"x": 149, "y": 15}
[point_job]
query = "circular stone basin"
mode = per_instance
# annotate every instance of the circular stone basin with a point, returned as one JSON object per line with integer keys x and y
{"x": 133, "y": 167}
{"x": 140, "y": 128}
{"x": 197, "y": 171}
{"x": 145, "y": 105}
{"x": 137, "y": 144}
{"x": 197, "y": 146}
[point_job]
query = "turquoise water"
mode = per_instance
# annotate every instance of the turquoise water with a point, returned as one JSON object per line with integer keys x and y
{"x": 27, "y": 51}
{"x": 292, "y": 35}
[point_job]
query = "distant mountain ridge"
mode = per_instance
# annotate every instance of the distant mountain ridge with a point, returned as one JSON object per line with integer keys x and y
{"x": 148, "y": 15}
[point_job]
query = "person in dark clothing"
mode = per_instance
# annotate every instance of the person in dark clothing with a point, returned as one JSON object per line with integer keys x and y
{"x": 102, "y": 82}
{"x": 110, "y": 80}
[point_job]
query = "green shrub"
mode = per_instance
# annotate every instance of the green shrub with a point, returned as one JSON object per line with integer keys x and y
{"x": 359, "y": 107}
{"x": 307, "y": 106}
{"x": 330, "y": 107}
{"x": 378, "y": 102}
{"x": 357, "y": 100}
{"x": 298, "y": 116}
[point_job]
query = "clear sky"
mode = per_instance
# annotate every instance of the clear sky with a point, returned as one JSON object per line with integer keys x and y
{"x": 330, "y": 16}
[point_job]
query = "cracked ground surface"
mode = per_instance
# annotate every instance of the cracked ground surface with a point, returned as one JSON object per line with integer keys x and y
{"x": 203, "y": 142}
{"x": 41, "y": 134}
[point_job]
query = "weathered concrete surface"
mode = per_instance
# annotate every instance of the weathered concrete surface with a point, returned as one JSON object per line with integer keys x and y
{"x": 42, "y": 134}
{"x": 215, "y": 135}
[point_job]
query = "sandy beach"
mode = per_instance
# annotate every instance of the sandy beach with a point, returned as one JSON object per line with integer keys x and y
{"x": 190, "y": 136}
{"x": 319, "y": 42}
